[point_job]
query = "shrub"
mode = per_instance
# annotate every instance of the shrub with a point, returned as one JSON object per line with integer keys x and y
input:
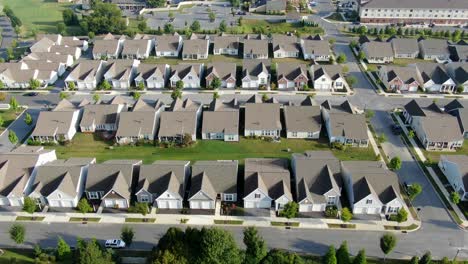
{"x": 331, "y": 212}
{"x": 346, "y": 215}
{"x": 338, "y": 146}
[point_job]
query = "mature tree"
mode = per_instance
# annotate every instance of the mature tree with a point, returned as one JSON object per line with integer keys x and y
{"x": 176, "y": 94}
{"x": 360, "y": 258}
{"x": 106, "y": 17}
{"x": 96, "y": 97}
{"x": 256, "y": 248}
{"x": 351, "y": 80}
{"x": 180, "y": 84}
{"x": 34, "y": 84}
{"x": 136, "y": 95}
{"x": 330, "y": 256}
{"x": 411, "y": 134}
{"x": 277, "y": 256}
{"x": 127, "y": 234}
{"x": 341, "y": 58}
{"x": 395, "y": 163}
{"x": 370, "y": 113}
{"x": 414, "y": 260}
{"x": 218, "y": 246}
{"x": 142, "y": 26}
{"x": 140, "y": 208}
{"x": 346, "y": 215}
{"x": 460, "y": 88}
{"x": 223, "y": 26}
{"x": 168, "y": 257}
{"x": 91, "y": 252}
{"x": 63, "y": 249}
{"x": 12, "y": 137}
{"x": 105, "y": 85}
{"x": 387, "y": 243}
{"x": 426, "y": 258}
{"x": 168, "y": 28}
{"x": 362, "y": 30}
{"x": 455, "y": 197}
{"x": 212, "y": 16}
{"x": 17, "y": 233}
{"x": 84, "y": 207}
{"x": 290, "y": 210}
{"x": 28, "y": 119}
{"x": 414, "y": 190}
{"x": 156, "y": 3}
{"x": 69, "y": 17}
{"x": 215, "y": 83}
{"x": 402, "y": 215}
{"x": 446, "y": 260}
{"x": 342, "y": 254}
{"x": 361, "y": 55}
{"x": 29, "y": 205}
{"x": 353, "y": 44}
{"x": 195, "y": 27}
{"x": 64, "y": 95}
{"x": 61, "y": 28}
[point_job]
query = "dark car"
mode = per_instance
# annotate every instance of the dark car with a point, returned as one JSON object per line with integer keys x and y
{"x": 31, "y": 94}
{"x": 396, "y": 129}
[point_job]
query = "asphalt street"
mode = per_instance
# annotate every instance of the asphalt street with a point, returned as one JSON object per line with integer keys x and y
{"x": 8, "y": 34}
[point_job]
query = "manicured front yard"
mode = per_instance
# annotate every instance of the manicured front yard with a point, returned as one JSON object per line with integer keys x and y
{"x": 8, "y": 117}
{"x": 434, "y": 156}
{"x": 85, "y": 145}
{"x": 22, "y": 256}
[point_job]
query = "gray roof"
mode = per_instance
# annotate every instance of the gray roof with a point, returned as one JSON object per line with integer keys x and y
{"x": 461, "y": 52}
{"x": 275, "y": 5}
{"x": 177, "y": 123}
{"x": 136, "y": 123}
{"x": 99, "y": 114}
{"x": 345, "y": 107}
{"x": 302, "y": 118}
{"x": 285, "y": 43}
{"x": 462, "y": 162}
{"x": 372, "y": 177}
{"x": 269, "y": 175}
{"x": 146, "y": 106}
{"x": 378, "y": 49}
{"x": 405, "y": 45}
{"x": 163, "y": 176}
{"x": 63, "y": 175}
{"x": 332, "y": 71}
{"x": 65, "y": 105}
{"x": 115, "y": 175}
{"x": 85, "y": 69}
{"x": 426, "y": 4}
{"x": 105, "y": 46}
{"x": 432, "y": 71}
{"x": 214, "y": 177}
{"x": 195, "y": 46}
{"x": 253, "y": 67}
{"x": 222, "y": 70}
{"x": 182, "y": 69}
{"x": 226, "y": 42}
{"x": 256, "y": 46}
{"x": 167, "y": 42}
{"x": 435, "y": 47}
{"x": 351, "y": 126}
{"x": 460, "y": 72}
{"x": 221, "y": 117}
{"x": 317, "y": 47}
{"x": 145, "y": 70}
{"x": 119, "y": 69}
{"x": 291, "y": 70}
{"x": 404, "y": 73}
{"x": 263, "y": 116}
{"x": 186, "y": 105}
{"x": 51, "y": 123}
{"x": 47, "y": 56}
{"x": 441, "y": 128}
{"x": 135, "y": 46}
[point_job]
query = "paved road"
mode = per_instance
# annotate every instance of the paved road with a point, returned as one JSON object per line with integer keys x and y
{"x": 8, "y": 34}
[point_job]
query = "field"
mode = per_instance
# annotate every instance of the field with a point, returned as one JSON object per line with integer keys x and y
{"x": 85, "y": 145}
{"x": 41, "y": 15}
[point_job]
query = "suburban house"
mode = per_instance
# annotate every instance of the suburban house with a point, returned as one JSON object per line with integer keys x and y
{"x": 17, "y": 168}
{"x": 226, "y": 45}
{"x": 65, "y": 59}
{"x": 316, "y": 50}
{"x": 436, "y": 129}
{"x": 460, "y": 52}
{"x": 168, "y": 45}
{"x": 455, "y": 169}
{"x": 405, "y": 48}
{"x": 100, "y": 117}
{"x": 163, "y": 183}
{"x": 223, "y": 71}
{"x": 371, "y": 188}
{"x": 86, "y": 75}
{"x": 458, "y": 71}
{"x": 120, "y": 73}
{"x": 291, "y": 75}
{"x": 18, "y": 76}
{"x": 60, "y": 183}
{"x": 267, "y": 183}
{"x": 66, "y": 50}
{"x": 195, "y": 49}
{"x": 256, "y": 74}
{"x": 189, "y": 74}
{"x": 303, "y": 121}
{"x": 262, "y": 119}
{"x": 327, "y": 77}
{"x": 151, "y": 76}
{"x": 434, "y": 78}
{"x": 137, "y": 49}
{"x": 212, "y": 182}
{"x": 378, "y": 52}
{"x": 399, "y": 78}
{"x": 255, "y": 49}
{"x": 109, "y": 183}
{"x": 456, "y": 108}
{"x": 45, "y": 66}
{"x": 434, "y": 49}
{"x": 318, "y": 180}
{"x": 180, "y": 120}
{"x": 285, "y": 46}
{"x": 344, "y": 125}
{"x": 221, "y": 121}
{"x": 139, "y": 124}
{"x": 107, "y": 48}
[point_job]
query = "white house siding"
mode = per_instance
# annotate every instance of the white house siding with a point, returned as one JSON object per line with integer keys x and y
{"x": 202, "y": 204}
{"x": 280, "y": 202}
{"x": 111, "y": 203}
{"x": 265, "y": 133}
{"x": 361, "y": 207}
{"x": 323, "y": 83}
{"x": 309, "y": 207}
{"x": 169, "y": 203}
{"x": 231, "y": 137}
{"x": 60, "y": 199}
{"x": 392, "y": 207}
{"x": 263, "y": 201}
{"x": 4, "y": 201}
{"x": 295, "y": 134}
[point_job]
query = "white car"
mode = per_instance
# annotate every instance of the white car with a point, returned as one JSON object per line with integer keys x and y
{"x": 114, "y": 243}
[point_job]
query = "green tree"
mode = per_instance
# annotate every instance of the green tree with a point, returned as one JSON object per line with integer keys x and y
{"x": 105, "y": 85}
{"x": 96, "y": 98}
{"x": 2, "y": 85}
{"x": 342, "y": 254}
{"x": 167, "y": 257}
{"x": 370, "y": 113}
{"x": 1, "y": 121}
{"x": 176, "y": 94}
{"x": 426, "y": 258}
{"x": 402, "y": 215}
{"x": 382, "y": 138}
{"x": 341, "y": 58}
{"x": 223, "y": 26}
{"x": 127, "y": 234}
{"x": 215, "y": 83}
{"x": 180, "y": 84}
{"x": 28, "y": 119}
{"x": 171, "y": 15}
{"x": 362, "y": 30}
{"x": 17, "y": 233}
{"x": 105, "y": 18}
{"x": 360, "y": 258}
{"x": 12, "y": 137}
{"x": 255, "y": 246}
{"x": 277, "y": 256}
{"x": 64, "y": 95}
{"x": 455, "y": 197}
{"x": 69, "y": 17}
{"x": 61, "y": 28}
{"x": 84, "y": 207}
{"x": 218, "y": 246}
{"x": 216, "y": 95}
{"x": 142, "y": 26}
{"x": 63, "y": 249}
{"x": 140, "y": 208}
{"x": 71, "y": 86}
{"x": 351, "y": 80}
{"x": 460, "y": 89}
{"x": 91, "y": 252}
{"x": 141, "y": 86}
{"x": 168, "y": 28}
{"x": 195, "y": 27}
{"x": 414, "y": 260}
{"x": 446, "y": 260}
{"x": 361, "y": 55}
{"x": 136, "y": 95}
{"x": 346, "y": 215}
{"x": 34, "y": 84}
{"x": 212, "y": 16}
{"x": 395, "y": 163}
{"x": 330, "y": 256}
{"x": 290, "y": 210}
{"x": 387, "y": 243}
{"x": 411, "y": 134}
{"x": 353, "y": 44}
{"x": 156, "y": 3}
{"x": 29, "y": 205}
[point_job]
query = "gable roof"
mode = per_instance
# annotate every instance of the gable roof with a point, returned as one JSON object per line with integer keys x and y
{"x": 183, "y": 69}
{"x": 222, "y": 70}
{"x": 316, "y": 47}
{"x": 105, "y": 46}
{"x": 291, "y": 71}
{"x": 145, "y": 70}
{"x": 269, "y": 175}
{"x": 405, "y": 45}
{"x": 226, "y": 42}
{"x": 378, "y": 49}
{"x": 462, "y": 163}
{"x": 332, "y": 71}
{"x": 302, "y": 118}
{"x": 221, "y": 177}
{"x": 432, "y": 71}
{"x": 163, "y": 176}
{"x": 251, "y": 68}
{"x": 221, "y": 117}
{"x": 137, "y": 123}
{"x": 167, "y": 42}
{"x": 406, "y": 74}
{"x": 195, "y": 46}
{"x": 52, "y": 123}
{"x": 435, "y": 47}
{"x": 262, "y": 116}
{"x": 256, "y": 46}
{"x": 99, "y": 114}
{"x": 120, "y": 69}
{"x": 135, "y": 46}
{"x": 85, "y": 69}
{"x": 285, "y": 43}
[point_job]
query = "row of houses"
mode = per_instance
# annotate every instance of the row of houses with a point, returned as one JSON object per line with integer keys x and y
{"x": 429, "y": 77}
{"x": 197, "y": 46}
{"x": 320, "y": 177}
{"x": 254, "y": 74}
{"x": 439, "y": 50}
{"x": 146, "y": 120}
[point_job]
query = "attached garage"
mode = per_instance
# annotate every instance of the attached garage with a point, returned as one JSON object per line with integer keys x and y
{"x": 118, "y": 203}
{"x": 54, "y": 203}
{"x": 66, "y": 203}
{"x": 4, "y": 202}
{"x": 312, "y": 207}
{"x": 321, "y": 86}
{"x": 201, "y": 204}
{"x": 169, "y": 204}
{"x": 257, "y": 204}
{"x": 366, "y": 210}
{"x": 16, "y": 202}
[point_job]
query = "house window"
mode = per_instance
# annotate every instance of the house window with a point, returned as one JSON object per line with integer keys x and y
{"x": 59, "y": 195}
{"x": 190, "y": 77}
{"x": 331, "y": 200}
{"x": 369, "y": 201}
{"x": 392, "y": 210}
{"x": 294, "y": 134}
{"x": 310, "y": 134}
{"x": 93, "y": 195}
{"x": 229, "y": 197}
{"x": 144, "y": 198}
{"x": 257, "y": 196}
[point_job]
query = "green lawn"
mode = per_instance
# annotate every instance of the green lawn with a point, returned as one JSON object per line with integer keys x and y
{"x": 8, "y": 117}
{"x": 21, "y": 256}
{"x": 263, "y": 26}
{"x": 85, "y": 145}
{"x": 434, "y": 156}
{"x": 406, "y": 62}
{"x": 42, "y": 15}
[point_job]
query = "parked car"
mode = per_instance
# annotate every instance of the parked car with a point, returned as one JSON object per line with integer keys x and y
{"x": 114, "y": 243}
{"x": 31, "y": 94}
{"x": 396, "y": 129}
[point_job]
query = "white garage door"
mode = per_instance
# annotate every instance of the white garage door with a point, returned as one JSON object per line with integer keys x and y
{"x": 305, "y": 208}
{"x": 174, "y": 204}
{"x": 195, "y": 205}
{"x": 121, "y": 203}
{"x": 206, "y": 205}
{"x": 16, "y": 202}
{"x": 357, "y": 210}
{"x": 321, "y": 86}
{"x": 4, "y": 201}
{"x": 256, "y": 204}
{"x": 54, "y": 203}
{"x": 372, "y": 210}
{"x": 66, "y": 203}
{"x": 163, "y": 204}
